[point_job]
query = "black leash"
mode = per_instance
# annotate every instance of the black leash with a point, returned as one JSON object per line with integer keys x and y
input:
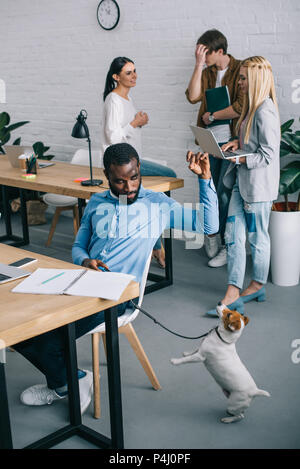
{"x": 164, "y": 327}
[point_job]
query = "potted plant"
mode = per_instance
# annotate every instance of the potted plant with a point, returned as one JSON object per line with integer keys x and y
{"x": 285, "y": 216}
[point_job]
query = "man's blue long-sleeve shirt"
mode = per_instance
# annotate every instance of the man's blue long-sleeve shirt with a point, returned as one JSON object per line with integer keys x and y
{"x": 122, "y": 236}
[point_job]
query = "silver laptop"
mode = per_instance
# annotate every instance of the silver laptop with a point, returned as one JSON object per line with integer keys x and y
{"x": 8, "y": 273}
{"x": 208, "y": 144}
{"x": 14, "y": 151}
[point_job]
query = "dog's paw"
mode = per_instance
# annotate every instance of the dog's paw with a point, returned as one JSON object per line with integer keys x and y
{"x": 175, "y": 361}
{"x": 232, "y": 419}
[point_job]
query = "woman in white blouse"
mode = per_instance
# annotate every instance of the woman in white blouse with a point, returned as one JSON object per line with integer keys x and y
{"x": 123, "y": 123}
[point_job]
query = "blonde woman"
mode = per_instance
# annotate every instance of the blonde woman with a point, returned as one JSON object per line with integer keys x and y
{"x": 254, "y": 180}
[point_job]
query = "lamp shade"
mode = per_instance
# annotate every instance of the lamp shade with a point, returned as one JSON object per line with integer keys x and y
{"x": 80, "y": 129}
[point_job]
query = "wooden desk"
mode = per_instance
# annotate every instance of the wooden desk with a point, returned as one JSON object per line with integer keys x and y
{"x": 59, "y": 179}
{"x": 23, "y": 316}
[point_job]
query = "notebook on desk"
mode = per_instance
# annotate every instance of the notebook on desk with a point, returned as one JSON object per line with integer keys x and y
{"x": 78, "y": 282}
{"x": 8, "y": 273}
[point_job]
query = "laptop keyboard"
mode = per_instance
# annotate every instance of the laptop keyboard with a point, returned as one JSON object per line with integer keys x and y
{"x": 4, "y": 277}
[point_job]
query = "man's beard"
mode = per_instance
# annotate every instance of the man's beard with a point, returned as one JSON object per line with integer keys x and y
{"x": 124, "y": 197}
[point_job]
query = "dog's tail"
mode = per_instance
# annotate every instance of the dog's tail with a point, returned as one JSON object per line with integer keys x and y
{"x": 261, "y": 392}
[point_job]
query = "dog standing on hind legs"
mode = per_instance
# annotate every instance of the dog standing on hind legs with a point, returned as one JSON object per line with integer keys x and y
{"x": 218, "y": 353}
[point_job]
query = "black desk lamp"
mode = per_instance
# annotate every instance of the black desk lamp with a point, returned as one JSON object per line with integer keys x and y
{"x": 80, "y": 130}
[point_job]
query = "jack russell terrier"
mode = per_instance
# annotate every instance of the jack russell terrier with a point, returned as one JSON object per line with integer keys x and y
{"x": 218, "y": 353}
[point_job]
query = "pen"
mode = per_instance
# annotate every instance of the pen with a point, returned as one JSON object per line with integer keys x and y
{"x": 52, "y": 278}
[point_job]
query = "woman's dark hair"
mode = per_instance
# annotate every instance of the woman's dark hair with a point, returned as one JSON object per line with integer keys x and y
{"x": 119, "y": 154}
{"x": 214, "y": 40}
{"x": 115, "y": 67}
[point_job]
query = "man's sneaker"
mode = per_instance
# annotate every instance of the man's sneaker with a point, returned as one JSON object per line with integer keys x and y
{"x": 220, "y": 259}
{"x": 39, "y": 394}
{"x": 211, "y": 246}
{"x": 86, "y": 390}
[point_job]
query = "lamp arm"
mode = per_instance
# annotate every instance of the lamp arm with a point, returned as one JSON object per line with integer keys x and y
{"x": 90, "y": 157}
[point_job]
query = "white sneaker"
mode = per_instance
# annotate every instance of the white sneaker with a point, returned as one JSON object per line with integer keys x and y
{"x": 211, "y": 245}
{"x": 85, "y": 390}
{"x": 220, "y": 259}
{"x": 39, "y": 394}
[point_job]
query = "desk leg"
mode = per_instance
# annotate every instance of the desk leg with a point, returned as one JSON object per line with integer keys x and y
{"x": 6, "y": 211}
{"x": 162, "y": 281}
{"x": 5, "y": 431}
{"x": 24, "y": 217}
{"x": 114, "y": 379}
{"x": 72, "y": 375}
{"x": 16, "y": 240}
{"x": 81, "y": 205}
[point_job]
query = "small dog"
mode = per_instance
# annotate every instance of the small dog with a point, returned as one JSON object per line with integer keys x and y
{"x": 218, "y": 353}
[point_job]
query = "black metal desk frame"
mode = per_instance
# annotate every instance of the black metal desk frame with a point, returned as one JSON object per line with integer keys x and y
{"x": 76, "y": 427}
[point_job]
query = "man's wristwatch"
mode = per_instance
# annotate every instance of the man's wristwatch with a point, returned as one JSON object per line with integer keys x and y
{"x": 211, "y": 117}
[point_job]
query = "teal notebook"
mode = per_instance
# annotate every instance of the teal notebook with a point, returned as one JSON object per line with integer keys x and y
{"x": 217, "y": 99}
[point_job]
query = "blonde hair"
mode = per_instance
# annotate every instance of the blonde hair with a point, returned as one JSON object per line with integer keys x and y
{"x": 260, "y": 86}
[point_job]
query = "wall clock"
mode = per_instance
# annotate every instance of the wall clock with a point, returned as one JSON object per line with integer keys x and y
{"x": 108, "y": 14}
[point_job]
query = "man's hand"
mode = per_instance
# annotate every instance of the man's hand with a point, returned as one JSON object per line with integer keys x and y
{"x": 200, "y": 54}
{"x": 205, "y": 118}
{"x": 199, "y": 164}
{"x": 94, "y": 264}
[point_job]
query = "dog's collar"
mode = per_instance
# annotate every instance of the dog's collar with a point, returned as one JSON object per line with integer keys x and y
{"x": 220, "y": 337}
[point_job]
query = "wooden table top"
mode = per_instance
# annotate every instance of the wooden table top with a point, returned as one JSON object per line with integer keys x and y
{"x": 23, "y": 316}
{"x": 59, "y": 179}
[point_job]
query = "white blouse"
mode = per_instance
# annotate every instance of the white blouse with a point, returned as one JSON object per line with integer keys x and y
{"x": 117, "y": 115}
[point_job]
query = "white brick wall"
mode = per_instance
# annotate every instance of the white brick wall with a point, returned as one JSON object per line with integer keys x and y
{"x": 54, "y": 59}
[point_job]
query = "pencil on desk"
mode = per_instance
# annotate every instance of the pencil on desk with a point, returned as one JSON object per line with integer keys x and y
{"x": 52, "y": 278}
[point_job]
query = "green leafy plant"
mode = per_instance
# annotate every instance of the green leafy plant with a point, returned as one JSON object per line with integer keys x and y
{"x": 6, "y": 129}
{"x": 290, "y": 174}
{"x": 40, "y": 150}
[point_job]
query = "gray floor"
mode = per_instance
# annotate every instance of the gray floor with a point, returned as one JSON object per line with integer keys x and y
{"x": 186, "y": 412}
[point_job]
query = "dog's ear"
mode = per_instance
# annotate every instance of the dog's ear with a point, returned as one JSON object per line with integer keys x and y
{"x": 246, "y": 320}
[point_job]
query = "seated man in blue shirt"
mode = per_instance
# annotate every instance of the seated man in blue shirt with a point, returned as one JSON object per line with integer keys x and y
{"x": 117, "y": 233}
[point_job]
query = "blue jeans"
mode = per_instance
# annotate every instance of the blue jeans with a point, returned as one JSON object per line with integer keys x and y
{"x": 218, "y": 169}
{"x": 149, "y": 168}
{"x": 46, "y": 351}
{"x": 253, "y": 217}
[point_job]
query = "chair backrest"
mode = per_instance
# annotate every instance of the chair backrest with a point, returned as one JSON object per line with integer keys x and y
{"x": 81, "y": 156}
{"x": 144, "y": 280}
{"x": 131, "y": 315}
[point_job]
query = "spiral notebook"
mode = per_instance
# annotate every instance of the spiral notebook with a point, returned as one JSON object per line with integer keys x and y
{"x": 78, "y": 282}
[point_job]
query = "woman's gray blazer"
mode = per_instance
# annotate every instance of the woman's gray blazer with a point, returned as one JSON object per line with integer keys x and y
{"x": 258, "y": 179}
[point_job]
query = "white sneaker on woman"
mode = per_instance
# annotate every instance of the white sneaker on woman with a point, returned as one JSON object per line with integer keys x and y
{"x": 220, "y": 259}
{"x": 211, "y": 245}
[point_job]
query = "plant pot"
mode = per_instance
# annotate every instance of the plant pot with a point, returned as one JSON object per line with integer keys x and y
{"x": 285, "y": 245}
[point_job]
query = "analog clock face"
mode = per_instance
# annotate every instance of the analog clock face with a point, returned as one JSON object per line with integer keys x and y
{"x": 108, "y": 14}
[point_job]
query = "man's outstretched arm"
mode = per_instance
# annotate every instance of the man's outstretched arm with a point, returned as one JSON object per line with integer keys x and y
{"x": 199, "y": 165}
